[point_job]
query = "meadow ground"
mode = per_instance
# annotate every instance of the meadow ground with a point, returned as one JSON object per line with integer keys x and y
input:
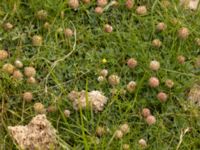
{"x": 66, "y": 63}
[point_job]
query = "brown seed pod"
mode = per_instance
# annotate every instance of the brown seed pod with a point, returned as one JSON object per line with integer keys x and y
{"x": 31, "y": 80}
{"x": 131, "y": 86}
{"x": 161, "y": 26}
{"x": 101, "y": 78}
{"x": 3, "y": 54}
{"x": 42, "y": 15}
{"x": 165, "y": 3}
{"x": 113, "y": 80}
{"x": 8, "y": 68}
{"x": 118, "y": 134}
{"x": 104, "y": 72}
{"x": 183, "y": 33}
{"x": 52, "y": 109}
{"x": 100, "y": 131}
{"x": 17, "y": 75}
{"x": 154, "y": 82}
{"x": 150, "y": 120}
{"x": 132, "y": 63}
{"x": 29, "y": 71}
{"x": 102, "y": 3}
{"x": 37, "y": 40}
{"x": 28, "y": 96}
{"x": 18, "y": 64}
{"x": 98, "y": 10}
{"x": 197, "y": 40}
{"x": 162, "y": 97}
{"x": 39, "y": 108}
{"x": 181, "y": 59}
{"x": 67, "y": 113}
{"x": 169, "y": 83}
{"x": 108, "y": 28}
{"x": 146, "y": 112}
{"x": 124, "y": 128}
{"x": 194, "y": 95}
{"x": 86, "y": 1}
{"x": 74, "y": 4}
{"x": 129, "y": 4}
{"x": 154, "y": 65}
{"x": 175, "y": 21}
{"x": 141, "y": 10}
{"x": 46, "y": 25}
{"x": 156, "y": 43}
{"x": 142, "y": 143}
{"x": 7, "y": 26}
{"x": 68, "y": 32}
{"x": 126, "y": 146}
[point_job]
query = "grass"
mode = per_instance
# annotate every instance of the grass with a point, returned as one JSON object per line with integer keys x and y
{"x": 64, "y": 64}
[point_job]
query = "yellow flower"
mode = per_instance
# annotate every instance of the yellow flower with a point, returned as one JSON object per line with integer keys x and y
{"x": 104, "y": 61}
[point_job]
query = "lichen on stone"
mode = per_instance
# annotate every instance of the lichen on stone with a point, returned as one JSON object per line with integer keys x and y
{"x": 82, "y": 99}
{"x": 38, "y": 134}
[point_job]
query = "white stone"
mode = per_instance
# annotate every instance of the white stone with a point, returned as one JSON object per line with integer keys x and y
{"x": 38, "y": 134}
{"x": 82, "y": 99}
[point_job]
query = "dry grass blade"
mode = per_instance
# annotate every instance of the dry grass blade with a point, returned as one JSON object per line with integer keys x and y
{"x": 183, "y": 132}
